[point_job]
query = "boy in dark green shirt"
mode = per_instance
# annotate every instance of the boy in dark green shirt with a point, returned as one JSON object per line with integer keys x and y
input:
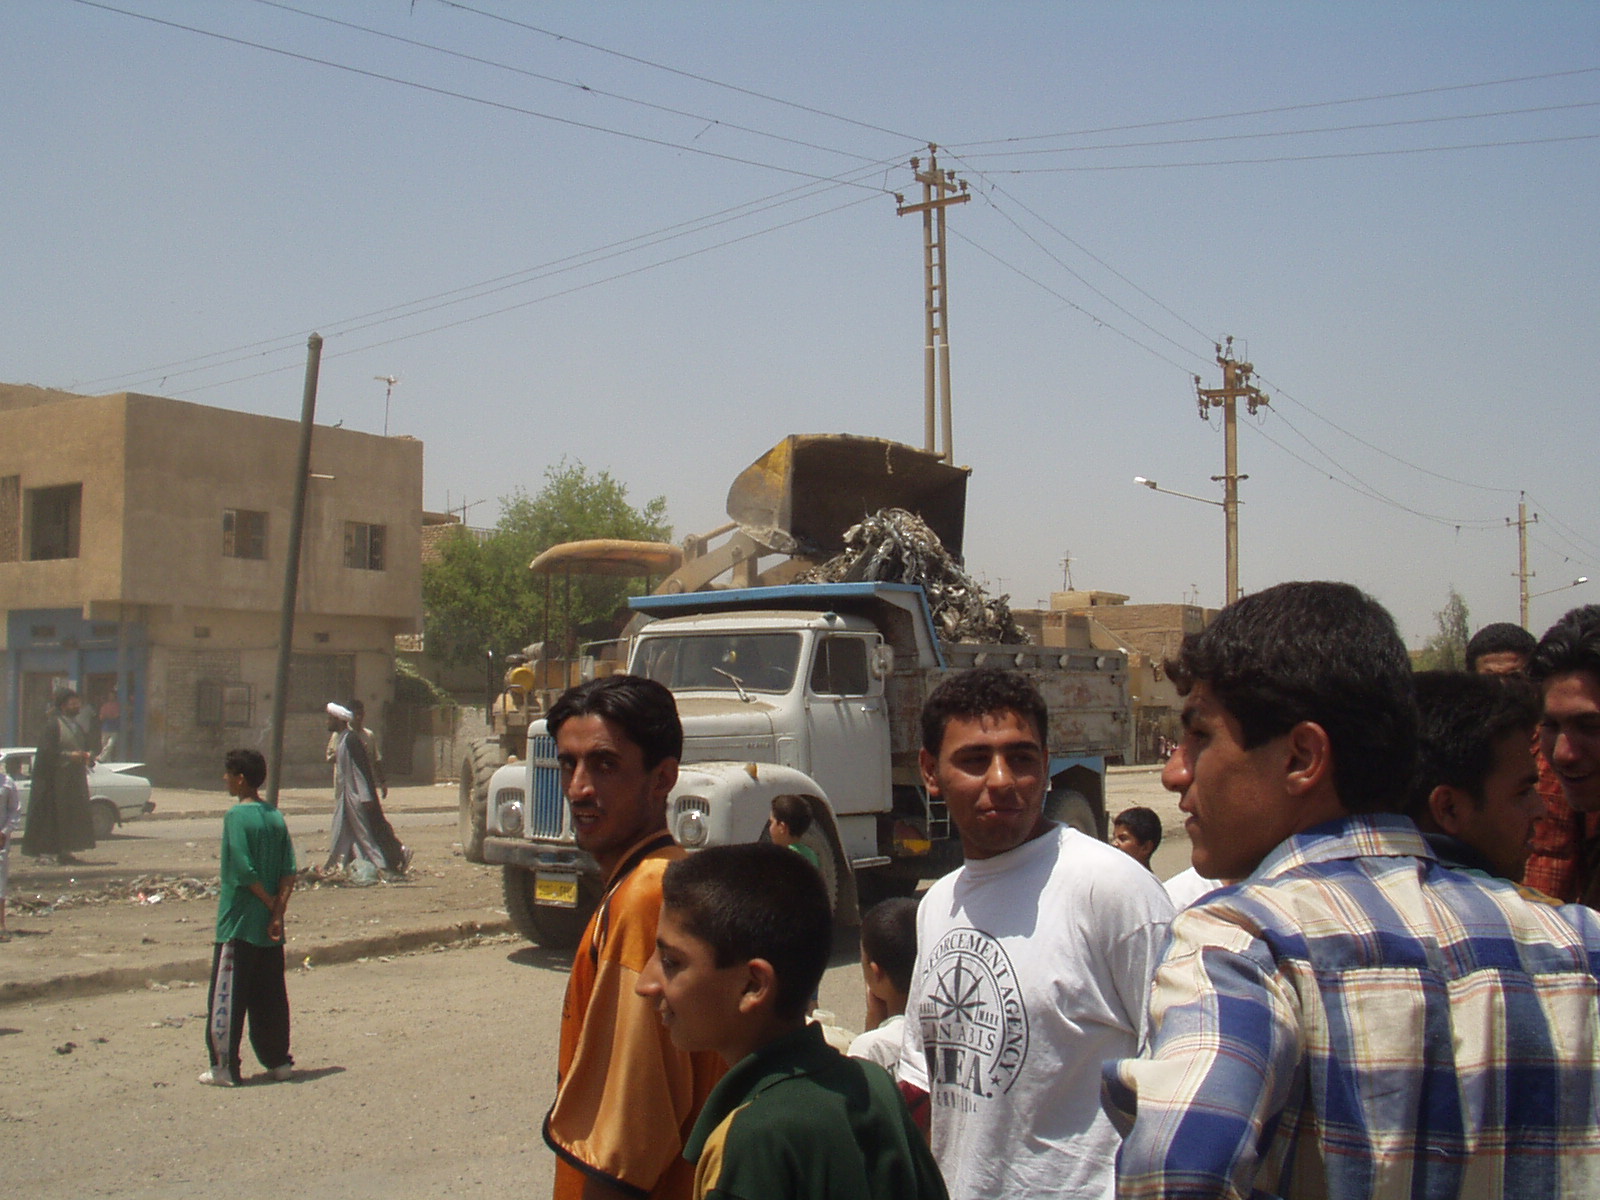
{"x": 744, "y": 937}
{"x": 247, "y": 966}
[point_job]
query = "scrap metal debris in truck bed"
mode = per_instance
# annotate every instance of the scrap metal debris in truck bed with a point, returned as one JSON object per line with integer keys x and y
{"x": 896, "y": 546}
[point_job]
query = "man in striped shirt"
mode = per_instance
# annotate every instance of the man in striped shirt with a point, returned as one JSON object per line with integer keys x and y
{"x": 1352, "y": 1019}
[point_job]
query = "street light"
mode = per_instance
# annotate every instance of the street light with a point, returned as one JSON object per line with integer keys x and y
{"x": 1231, "y": 557}
{"x": 1562, "y": 588}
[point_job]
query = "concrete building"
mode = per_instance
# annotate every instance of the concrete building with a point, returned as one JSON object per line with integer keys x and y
{"x": 1148, "y": 634}
{"x": 142, "y": 549}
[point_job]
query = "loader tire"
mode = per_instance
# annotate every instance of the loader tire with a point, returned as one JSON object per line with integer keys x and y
{"x": 484, "y": 757}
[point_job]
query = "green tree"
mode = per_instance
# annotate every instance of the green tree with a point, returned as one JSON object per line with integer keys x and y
{"x": 479, "y": 595}
{"x": 1446, "y": 650}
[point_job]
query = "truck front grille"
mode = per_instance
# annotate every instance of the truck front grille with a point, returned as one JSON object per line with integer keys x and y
{"x": 547, "y": 817}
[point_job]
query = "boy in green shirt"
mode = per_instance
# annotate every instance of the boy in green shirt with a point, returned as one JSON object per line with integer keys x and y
{"x": 247, "y": 968}
{"x": 744, "y": 937}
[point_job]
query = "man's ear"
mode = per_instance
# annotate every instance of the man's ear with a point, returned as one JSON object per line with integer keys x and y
{"x": 1309, "y": 764}
{"x": 1446, "y": 806}
{"x": 663, "y": 775}
{"x": 928, "y": 765}
{"x": 760, "y": 988}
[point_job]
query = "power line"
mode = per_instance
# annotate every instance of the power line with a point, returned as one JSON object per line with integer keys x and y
{"x": 1282, "y": 158}
{"x": 1044, "y": 287}
{"x": 1364, "y": 489}
{"x": 455, "y": 95}
{"x": 469, "y": 292}
{"x": 645, "y": 62}
{"x": 1482, "y": 487}
{"x": 1277, "y": 133}
{"x": 538, "y": 299}
{"x": 1283, "y": 108}
{"x": 1114, "y": 304}
{"x": 567, "y": 83}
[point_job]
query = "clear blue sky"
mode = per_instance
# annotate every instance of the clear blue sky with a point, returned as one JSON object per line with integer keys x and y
{"x": 1147, "y": 177}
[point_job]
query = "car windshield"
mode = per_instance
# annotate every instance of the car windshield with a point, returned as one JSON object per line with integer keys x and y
{"x": 755, "y": 662}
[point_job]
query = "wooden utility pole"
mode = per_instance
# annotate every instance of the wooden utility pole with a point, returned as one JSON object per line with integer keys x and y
{"x": 1523, "y": 574}
{"x": 1236, "y": 385}
{"x": 936, "y": 188}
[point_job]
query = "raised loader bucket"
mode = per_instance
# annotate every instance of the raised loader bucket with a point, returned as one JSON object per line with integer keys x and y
{"x": 813, "y": 487}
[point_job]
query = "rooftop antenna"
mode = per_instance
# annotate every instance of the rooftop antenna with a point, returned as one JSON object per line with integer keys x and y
{"x": 388, "y": 381}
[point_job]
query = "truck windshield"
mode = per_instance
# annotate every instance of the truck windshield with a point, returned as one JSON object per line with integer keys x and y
{"x": 756, "y": 662}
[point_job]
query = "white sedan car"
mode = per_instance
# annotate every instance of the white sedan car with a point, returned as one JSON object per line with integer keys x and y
{"x": 115, "y": 793}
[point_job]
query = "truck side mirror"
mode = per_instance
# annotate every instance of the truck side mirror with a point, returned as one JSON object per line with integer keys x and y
{"x": 882, "y": 661}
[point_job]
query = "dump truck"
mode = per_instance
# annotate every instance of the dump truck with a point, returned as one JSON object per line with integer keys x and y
{"x": 807, "y": 689}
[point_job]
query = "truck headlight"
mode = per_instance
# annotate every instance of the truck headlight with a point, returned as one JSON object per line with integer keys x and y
{"x": 509, "y": 815}
{"x": 690, "y": 827}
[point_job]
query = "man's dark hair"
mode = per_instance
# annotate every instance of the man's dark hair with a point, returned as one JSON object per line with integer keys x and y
{"x": 1500, "y": 638}
{"x": 642, "y": 708}
{"x": 889, "y": 937}
{"x": 982, "y": 692}
{"x": 1142, "y": 823}
{"x": 756, "y": 900}
{"x": 251, "y": 764}
{"x": 1463, "y": 719}
{"x": 1320, "y": 652}
{"x": 1571, "y": 644}
{"x": 794, "y": 812}
{"x": 357, "y": 707}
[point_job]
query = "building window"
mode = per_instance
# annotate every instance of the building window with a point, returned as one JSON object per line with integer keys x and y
{"x": 218, "y": 703}
{"x": 363, "y": 546}
{"x": 53, "y": 517}
{"x": 244, "y": 533}
{"x": 10, "y": 518}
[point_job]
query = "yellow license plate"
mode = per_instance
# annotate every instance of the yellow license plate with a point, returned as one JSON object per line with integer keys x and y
{"x": 559, "y": 889}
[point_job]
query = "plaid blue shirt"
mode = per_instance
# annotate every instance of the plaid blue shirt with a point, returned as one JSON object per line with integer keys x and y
{"x": 1356, "y": 1020}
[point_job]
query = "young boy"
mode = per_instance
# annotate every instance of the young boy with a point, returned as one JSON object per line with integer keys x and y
{"x": 888, "y": 953}
{"x": 744, "y": 937}
{"x": 790, "y": 819}
{"x": 247, "y": 965}
{"x": 1137, "y": 833}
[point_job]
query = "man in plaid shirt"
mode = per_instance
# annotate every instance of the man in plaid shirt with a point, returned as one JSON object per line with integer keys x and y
{"x": 1352, "y": 1019}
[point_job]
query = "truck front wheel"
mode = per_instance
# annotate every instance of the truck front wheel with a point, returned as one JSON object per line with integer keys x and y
{"x": 552, "y": 928}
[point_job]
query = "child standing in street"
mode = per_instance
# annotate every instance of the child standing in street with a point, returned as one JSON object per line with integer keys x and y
{"x": 10, "y": 814}
{"x": 744, "y": 937}
{"x": 787, "y": 824}
{"x": 247, "y": 967}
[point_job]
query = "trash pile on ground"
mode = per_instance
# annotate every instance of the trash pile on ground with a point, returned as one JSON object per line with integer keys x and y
{"x": 143, "y": 889}
{"x": 896, "y": 546}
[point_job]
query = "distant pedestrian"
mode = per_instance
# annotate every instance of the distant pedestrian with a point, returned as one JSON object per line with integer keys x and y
{"x": 247, "y": 964}
{"x": 1137, "y": 833}
{"x": 10, "y": 814}
{"x": 394, "y": 851}
{"x": 59, "y": 820}
{"x": 352, "y": 836}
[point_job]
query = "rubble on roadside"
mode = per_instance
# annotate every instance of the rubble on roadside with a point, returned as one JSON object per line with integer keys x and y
{"x": 896, "y": 546}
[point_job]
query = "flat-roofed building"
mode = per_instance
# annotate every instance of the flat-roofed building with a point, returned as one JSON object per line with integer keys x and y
{"x": 142, "y": 553}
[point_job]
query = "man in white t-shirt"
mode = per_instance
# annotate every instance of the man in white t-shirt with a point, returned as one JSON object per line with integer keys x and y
{"x": 1034, "y": 960}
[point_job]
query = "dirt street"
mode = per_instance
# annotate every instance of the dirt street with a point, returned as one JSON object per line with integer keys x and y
{"x": 424, "y": 1049}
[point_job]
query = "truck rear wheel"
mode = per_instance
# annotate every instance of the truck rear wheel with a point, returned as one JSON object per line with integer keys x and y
{"x": 552, "y": 928}
{"x": 484, "y": 757}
